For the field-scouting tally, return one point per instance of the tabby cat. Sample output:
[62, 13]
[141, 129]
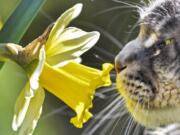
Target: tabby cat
[148, 67]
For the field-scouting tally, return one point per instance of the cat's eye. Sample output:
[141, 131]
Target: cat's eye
[160, 45]
[169, 42]
[164, 43]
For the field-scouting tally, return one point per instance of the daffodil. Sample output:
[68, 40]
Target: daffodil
[52, 63]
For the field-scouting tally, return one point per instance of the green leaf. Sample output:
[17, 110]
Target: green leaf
[20, 20]
[6, 11]
[1, 64]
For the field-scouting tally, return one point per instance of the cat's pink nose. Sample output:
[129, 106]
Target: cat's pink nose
[119, 65]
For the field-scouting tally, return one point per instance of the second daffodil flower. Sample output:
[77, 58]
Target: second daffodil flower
[52, 63]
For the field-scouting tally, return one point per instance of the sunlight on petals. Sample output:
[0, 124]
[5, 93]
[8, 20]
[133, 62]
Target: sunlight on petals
[24, 99]
[21, 106]
[67, 44]
[61, 24]
[34, 79]
[33, 113]
[71, 44]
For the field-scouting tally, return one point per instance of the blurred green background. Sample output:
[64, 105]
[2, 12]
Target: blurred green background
[113, 19]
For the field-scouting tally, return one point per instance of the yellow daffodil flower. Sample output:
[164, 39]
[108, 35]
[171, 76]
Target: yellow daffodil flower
[52, 62]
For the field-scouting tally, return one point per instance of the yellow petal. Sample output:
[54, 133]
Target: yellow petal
[75, 84]
[71, 44]
[33, 113]
[61, 24]
[89, 74]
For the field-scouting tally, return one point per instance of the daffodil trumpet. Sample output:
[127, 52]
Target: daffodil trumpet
[51, 62]
[75, 84]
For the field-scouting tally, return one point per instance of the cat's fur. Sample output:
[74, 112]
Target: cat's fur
[149, 66]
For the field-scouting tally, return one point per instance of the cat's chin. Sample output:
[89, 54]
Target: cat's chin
[152, 118]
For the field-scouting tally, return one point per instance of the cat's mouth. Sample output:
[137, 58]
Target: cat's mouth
[139, 87]
[136, 86]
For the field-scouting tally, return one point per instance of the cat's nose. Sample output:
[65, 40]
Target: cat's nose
[119, 64]
[124, 59]
[129, 54]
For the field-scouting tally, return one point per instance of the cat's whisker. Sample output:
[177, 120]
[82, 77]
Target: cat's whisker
[105, 53]
[99, 57]
[107, 90]
[104, 114]
[116, 17]
[135, 108]
[100, 95]
[54, 112]
[108, 126]
[134, 27]
[111, 9]
[133, 5]
[129, 126]
[103, 96]
[114, 126]
[100, 122]
[131, 121]
[47, 16]
[108, 35]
